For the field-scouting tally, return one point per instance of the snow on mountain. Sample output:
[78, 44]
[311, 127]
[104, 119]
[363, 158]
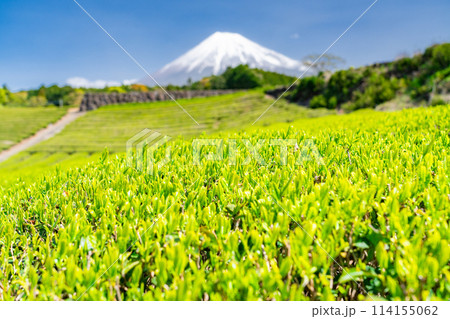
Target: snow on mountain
[219, 51]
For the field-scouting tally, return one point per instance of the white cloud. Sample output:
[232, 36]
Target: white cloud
[129, 82]
[78, 82]
[294, 36]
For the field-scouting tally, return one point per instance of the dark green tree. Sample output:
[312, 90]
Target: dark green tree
[241, 77]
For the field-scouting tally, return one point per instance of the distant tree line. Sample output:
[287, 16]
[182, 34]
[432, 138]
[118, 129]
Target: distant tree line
[420, 77]
[59, 95]
[240, 77]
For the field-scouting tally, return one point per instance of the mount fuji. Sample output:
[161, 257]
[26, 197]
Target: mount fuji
[219, 51]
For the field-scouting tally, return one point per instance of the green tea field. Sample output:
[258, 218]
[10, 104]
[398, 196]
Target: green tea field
[17, 123]
[364, 215]
[110, 127]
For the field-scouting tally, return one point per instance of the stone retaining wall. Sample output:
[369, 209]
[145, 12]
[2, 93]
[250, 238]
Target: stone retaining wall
[92, 101]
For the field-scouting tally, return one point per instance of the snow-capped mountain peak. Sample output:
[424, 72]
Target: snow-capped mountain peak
[219, 51]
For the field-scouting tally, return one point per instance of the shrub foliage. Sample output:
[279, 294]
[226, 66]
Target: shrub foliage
[370, 86]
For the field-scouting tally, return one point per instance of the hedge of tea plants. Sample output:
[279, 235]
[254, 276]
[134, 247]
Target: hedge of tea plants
[367, 219]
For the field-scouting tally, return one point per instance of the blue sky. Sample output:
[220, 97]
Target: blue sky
[49, 41]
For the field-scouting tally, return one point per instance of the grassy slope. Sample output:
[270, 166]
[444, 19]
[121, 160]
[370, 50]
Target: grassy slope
[379, 206]
[17, 123]
[110, 127]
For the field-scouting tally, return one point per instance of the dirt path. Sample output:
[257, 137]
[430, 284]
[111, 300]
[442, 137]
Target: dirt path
[44, 134]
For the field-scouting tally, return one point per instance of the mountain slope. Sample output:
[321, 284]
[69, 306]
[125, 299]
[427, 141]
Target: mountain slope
[219, 51]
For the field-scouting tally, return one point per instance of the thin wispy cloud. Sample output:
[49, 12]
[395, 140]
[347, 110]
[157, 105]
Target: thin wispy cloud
[294, 36]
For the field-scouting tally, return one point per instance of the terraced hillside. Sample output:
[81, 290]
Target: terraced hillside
[113, 125]
[110, 127]
[367, 219]
[17, 123]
